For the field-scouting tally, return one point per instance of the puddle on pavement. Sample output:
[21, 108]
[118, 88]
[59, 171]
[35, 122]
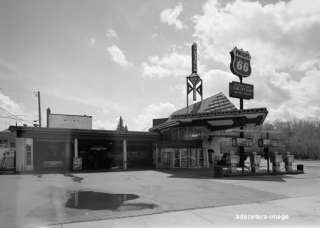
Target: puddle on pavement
[105, 201]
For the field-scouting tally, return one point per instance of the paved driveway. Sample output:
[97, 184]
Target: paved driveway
[31, 200]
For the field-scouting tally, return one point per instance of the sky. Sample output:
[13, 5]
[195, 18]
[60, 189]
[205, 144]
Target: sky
[130, 58]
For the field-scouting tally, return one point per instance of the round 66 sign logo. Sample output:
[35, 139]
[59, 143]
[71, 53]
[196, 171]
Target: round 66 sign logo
[240, 62]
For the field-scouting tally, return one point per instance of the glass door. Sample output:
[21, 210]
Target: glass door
[193, 157]
[184, 157]
[177, 158]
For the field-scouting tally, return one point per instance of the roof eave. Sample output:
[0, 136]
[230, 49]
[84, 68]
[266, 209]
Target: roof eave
[178, 119]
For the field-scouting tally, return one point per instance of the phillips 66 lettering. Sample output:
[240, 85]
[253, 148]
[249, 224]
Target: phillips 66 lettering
[240, 62]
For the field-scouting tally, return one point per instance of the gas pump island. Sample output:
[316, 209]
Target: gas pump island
[241, 67]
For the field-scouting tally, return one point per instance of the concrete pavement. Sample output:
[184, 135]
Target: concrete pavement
[301, 211]
[160, 198]
[301, 208]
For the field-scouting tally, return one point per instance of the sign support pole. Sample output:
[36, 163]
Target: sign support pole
[39, 108]
[187, 95]
[267, 152]
[241, 152]
[240, 66]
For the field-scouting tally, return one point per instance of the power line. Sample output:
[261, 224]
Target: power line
[11, 114]
[19, 120]
[15, 117]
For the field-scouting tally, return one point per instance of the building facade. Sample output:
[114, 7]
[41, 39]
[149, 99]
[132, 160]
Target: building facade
[7, 150]
[193, 137]
[59, 149]
[68, 121]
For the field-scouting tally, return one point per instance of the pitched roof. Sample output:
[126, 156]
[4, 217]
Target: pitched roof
[216, 107]
[216, 103]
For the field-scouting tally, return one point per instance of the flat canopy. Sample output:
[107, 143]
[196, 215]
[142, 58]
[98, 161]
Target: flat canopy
[62, 133]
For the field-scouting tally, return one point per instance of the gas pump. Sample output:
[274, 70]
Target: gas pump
[276, 160]
[234, 162]
[254, 162]
[231, 161]
[288, 161]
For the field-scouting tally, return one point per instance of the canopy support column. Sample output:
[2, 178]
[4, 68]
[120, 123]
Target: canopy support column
[124, 143]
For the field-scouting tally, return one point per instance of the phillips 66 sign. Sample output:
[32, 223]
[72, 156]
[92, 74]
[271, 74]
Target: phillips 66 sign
[240, 62]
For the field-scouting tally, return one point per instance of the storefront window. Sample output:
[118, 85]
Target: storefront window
[193, 157]
[183, 133]
[200, 152]
[182, 158]
[165, 158]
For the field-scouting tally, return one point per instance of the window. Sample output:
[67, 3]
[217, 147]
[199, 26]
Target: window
[28, 154]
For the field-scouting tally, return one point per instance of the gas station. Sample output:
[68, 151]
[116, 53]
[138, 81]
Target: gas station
[210, 133]
[214, 133]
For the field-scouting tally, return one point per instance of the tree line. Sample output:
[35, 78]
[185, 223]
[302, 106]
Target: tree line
[300, 137]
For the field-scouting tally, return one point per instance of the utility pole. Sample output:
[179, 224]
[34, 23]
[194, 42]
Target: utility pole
[39, 107]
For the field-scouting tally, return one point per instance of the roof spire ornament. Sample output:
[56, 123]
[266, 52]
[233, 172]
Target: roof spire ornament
[120, 126]
[194, 82]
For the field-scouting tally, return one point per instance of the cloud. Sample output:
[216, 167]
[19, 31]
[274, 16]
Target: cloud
[170, 16]
[7, 103]
[305, 99]
[283, 41]
[152, 111]
[111, 33]
[105, 124]
[105, 112]
[7, 68]
[92, 41]
[107, 106]
[171, 64]
[277, 35]
[9, 108]
[118, 56]
[215, 81]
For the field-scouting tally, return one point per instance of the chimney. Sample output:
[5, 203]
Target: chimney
[194, 58]
[48, 113]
